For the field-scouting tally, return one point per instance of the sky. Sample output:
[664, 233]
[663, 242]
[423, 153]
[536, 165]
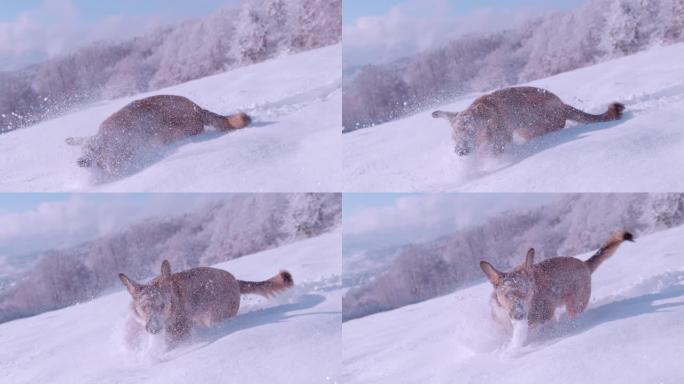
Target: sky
[380, 31]
[35, 30]
[376, 221]
[354, 9]
[33, 222]
[94, 10]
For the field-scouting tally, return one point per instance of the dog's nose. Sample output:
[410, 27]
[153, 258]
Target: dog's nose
[518, 315]
[462, 151]
[518, 312]
[153, 326]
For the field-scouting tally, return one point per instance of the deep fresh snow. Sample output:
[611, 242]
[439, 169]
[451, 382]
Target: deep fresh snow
[294, 144]
[642, 152]
[293, 338]
[630, 333]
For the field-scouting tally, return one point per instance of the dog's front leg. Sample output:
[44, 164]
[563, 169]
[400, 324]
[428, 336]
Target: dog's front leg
[133, 334]
[176, 333]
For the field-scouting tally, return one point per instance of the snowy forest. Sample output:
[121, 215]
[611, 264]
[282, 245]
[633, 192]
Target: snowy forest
[575, 224]
[239, 225]
[598, 30]
[234, 36]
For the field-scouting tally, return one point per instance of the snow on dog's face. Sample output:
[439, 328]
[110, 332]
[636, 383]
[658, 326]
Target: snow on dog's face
[107, 155]
[513, 290]
[464, 128]
[152, 303]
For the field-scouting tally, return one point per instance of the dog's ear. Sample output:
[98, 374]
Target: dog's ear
[132, 286]
[529, 259]
[166, 269]
[493, 275]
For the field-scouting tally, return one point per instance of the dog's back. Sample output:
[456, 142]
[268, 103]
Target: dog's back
[495, 119]
[559, 281]
[534, 291]
[149, 123]
[566, 281]
[208, 295]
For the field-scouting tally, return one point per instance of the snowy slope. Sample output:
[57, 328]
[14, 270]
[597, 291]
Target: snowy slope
[293, 146]
[630, 333]
[642, 152]
[293, 338]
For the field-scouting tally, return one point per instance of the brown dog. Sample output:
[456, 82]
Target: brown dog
[494, 120]
[175, 302]
[147, 124]
[534, 291]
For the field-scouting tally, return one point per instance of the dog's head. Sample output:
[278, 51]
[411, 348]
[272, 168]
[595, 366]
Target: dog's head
[513, 290]
[153, 304]
[108, 159]
[464, 128]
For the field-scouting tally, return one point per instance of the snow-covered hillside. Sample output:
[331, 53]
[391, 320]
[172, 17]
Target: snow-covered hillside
[292, 338]
[642, 152]
[293, 145]
[631, 331]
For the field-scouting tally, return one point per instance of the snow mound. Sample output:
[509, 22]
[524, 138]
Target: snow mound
[294, 337]
[642, 152]
[293, 145]
[631, 331]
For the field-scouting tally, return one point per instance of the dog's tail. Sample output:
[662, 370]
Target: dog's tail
[225, 123]
[608, 249]
[614, 112]
[267, 288]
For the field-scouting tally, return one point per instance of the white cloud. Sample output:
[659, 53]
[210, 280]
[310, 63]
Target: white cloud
[416, 25]
[84, 217]
[57, 27]
[425, 217]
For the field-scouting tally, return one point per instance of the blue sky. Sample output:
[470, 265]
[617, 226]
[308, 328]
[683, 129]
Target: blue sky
[19, 202]
[353, 9]
[96, 10]
[32, 31]
[373, 221]
[35, 221]
[353, 203]
[380, 31]
[22, 202]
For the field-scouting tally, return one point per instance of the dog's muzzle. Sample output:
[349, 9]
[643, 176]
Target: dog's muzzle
[463, 148]
[153, 326]
[518, 312]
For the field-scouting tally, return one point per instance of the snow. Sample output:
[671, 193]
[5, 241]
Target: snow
[293, 146]
[642, 152]
[631, 331]
[292, 338]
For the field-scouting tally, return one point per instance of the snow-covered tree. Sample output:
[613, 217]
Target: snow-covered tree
[246, 33]
[238, 225]
[572, 225]
[558, 42]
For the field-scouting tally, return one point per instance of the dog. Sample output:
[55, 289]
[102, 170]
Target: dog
[533, 292]
[147, 124]
[518, 113]
[176, 302]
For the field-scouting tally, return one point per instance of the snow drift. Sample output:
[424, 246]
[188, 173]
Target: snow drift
[294, 337]
[631, 331]
[642, 152]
